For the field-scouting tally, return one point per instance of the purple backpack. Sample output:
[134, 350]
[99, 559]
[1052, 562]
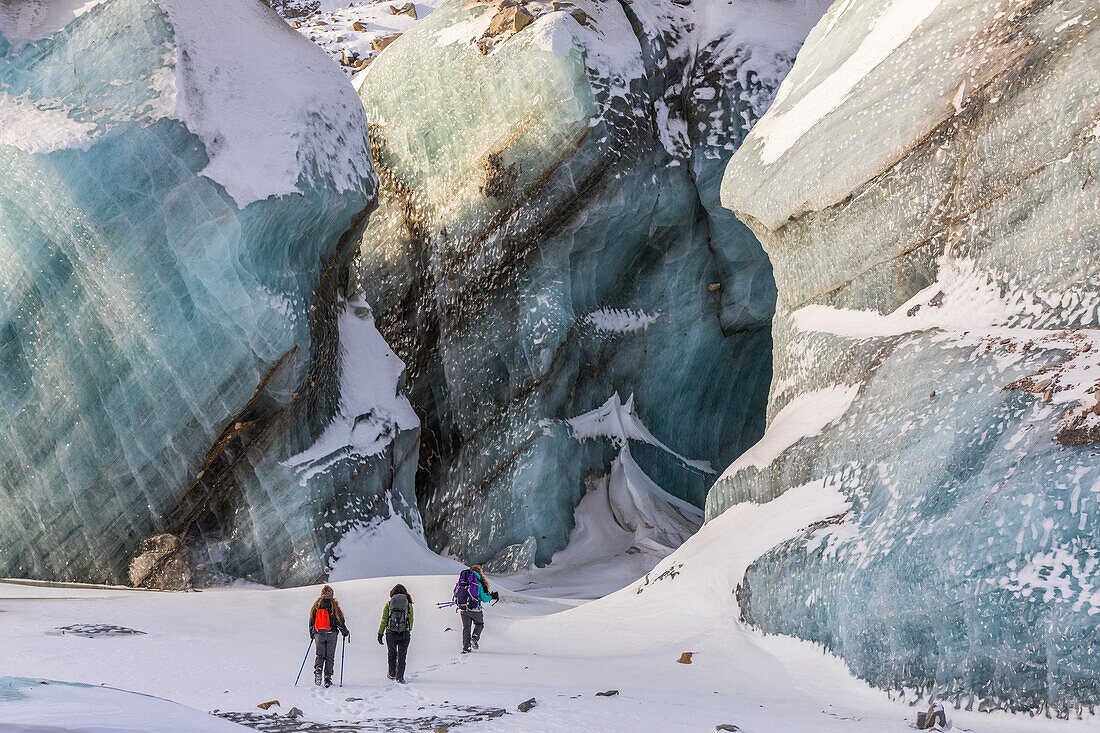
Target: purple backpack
[467, 593]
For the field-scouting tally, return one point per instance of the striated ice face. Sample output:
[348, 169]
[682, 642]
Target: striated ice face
[549, 234]
[925, 188]
[172, 332]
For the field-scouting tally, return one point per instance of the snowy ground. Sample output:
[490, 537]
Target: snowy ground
[229, 650]
[354, 33]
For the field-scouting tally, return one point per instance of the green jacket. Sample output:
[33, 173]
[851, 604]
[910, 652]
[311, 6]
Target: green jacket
[386, 619]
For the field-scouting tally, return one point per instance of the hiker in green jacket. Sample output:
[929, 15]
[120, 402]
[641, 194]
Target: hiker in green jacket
[397, 623]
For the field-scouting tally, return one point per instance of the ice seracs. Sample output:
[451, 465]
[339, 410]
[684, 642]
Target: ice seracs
[549, 233]
[924, 188]
[175, 239]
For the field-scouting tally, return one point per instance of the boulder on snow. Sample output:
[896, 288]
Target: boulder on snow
[407, 9]
[294, 713]
[607, 693]
[164, 564]
[268, 704]
[685, 658]
[379, 44]
[526, 705]
[510, 20]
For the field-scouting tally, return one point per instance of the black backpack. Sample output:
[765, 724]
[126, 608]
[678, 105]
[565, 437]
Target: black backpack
[399, 614]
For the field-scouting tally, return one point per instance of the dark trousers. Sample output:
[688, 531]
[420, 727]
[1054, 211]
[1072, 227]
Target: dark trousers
[397, 646]
[326, 651]
[475, 619]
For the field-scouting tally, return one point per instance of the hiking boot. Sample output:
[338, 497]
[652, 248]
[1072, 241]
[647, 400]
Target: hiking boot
[328, 682]
[473, 645]
[400, 680]
[390, 676]
[465, 651]
[317, 678]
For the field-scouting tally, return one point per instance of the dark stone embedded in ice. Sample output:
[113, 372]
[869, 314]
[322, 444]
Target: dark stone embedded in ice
[164, 564]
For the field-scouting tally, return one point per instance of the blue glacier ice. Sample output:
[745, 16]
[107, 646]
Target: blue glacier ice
[925, 188]
[177, 351]
[549, 234]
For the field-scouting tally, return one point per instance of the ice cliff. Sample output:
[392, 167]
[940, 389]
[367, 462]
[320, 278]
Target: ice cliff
[925, 186]
[549, 236]
[176, 351]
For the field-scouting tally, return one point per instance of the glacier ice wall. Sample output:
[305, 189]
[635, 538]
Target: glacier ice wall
[924, 185]
[173, 264]
[549, 234]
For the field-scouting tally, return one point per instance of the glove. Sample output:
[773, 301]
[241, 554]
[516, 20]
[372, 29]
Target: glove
[494, 595]
[347, 636]
[379, 638]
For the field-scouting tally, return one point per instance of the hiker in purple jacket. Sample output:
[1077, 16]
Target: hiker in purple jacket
[470, 592]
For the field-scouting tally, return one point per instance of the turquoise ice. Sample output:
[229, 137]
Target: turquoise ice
[549, 235]
[173, 268]
[925, 188]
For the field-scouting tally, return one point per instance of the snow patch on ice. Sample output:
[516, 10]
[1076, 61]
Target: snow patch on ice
[263, 131]
[373, 406]
[621, 320]
[806, 416]
[897, 22]
[618, 421]
[27, 21]
[33, 129]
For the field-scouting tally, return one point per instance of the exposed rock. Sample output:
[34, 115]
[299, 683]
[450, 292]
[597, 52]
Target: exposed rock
[267, 705]
[726, 727]
[510, 20]
[499, 181]
[294, 713]
[164, 564]
[407, 9]
[607, 693]
[685, 658]
[527, 705]
[357, 26]
[380, 43]
[94, 630]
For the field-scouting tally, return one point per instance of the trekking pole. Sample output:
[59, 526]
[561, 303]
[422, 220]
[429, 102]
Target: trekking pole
[303, 662]
[445, 604]
[343, 646]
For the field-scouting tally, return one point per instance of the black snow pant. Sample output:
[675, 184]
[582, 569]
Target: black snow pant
[476, 619]
[326, 651]
[397, 646]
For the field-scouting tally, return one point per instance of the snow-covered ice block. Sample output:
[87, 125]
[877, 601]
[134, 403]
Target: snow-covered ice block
[925, 187]
[173, 338]
[549, 233]
[49, 706]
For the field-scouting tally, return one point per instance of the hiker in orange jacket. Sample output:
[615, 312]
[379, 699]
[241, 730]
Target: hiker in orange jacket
[325, 620]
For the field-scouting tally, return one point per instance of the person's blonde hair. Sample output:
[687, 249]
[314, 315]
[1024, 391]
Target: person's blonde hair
[481, 574]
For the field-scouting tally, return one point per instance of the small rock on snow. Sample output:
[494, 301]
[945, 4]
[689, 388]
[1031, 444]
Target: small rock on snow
[527, 705]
